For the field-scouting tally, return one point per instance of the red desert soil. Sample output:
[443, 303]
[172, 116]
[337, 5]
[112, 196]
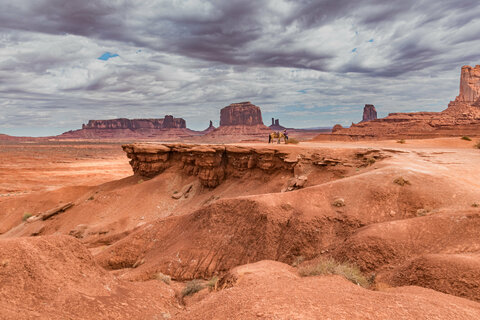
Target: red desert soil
[406, 214]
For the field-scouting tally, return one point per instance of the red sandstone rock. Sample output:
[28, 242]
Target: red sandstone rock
[167, 123]
[369, 113]
[243, 113]
[462, 117]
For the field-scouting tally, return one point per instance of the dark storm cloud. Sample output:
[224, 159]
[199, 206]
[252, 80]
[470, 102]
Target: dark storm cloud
[193, 57]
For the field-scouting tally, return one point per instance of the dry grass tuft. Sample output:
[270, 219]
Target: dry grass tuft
[163, 277]
[330, 266]
[466, 138]
[477, 145]
[401, 141]
[26, 216]
[292, 141]
[192, 287]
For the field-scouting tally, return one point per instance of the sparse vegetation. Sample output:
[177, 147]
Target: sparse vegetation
[330, 266]
[370, 161]
[401, 141]
[26, 216]
[91, 198]
[292, 141]
[401, 181]
[192, 287]
[140, 181]
[297, 261]
[475, 205]
[477, 145]
[466, 138]
[212, 283]
[163, 277]
[422, 212]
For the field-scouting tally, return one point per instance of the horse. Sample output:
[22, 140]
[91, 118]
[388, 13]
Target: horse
[277, 135]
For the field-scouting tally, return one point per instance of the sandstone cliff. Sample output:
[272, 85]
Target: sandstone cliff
[243, 113]
[369, 113]
[462, 117]
[169, 122]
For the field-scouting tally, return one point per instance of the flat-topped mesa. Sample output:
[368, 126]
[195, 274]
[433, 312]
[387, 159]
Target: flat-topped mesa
[169, 122]
[469, 85]
[241, 114]
[369, 113]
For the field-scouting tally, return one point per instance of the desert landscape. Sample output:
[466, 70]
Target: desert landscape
[322, 228]
[195, 160]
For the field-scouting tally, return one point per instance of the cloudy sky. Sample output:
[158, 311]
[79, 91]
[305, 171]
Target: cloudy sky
[309, 63]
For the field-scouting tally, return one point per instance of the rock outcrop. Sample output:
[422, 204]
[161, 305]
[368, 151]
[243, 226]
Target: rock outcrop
[243, 114]
[169, 122]
[462, 117]
[369, 113]
[210, 128]
[276, 125]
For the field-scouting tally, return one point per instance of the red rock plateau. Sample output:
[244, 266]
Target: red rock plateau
[244, 220]
[240, 121]
[169, 128]
[462, 117]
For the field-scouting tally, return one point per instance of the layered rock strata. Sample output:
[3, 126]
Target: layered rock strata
[212, 164]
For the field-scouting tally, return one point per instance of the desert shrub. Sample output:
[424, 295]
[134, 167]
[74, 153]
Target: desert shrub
[370, 161]
[466, 138]
[475, 205]
[212, 283]
[330, 266]
[26, 216]
[192, 287]
[163, 277]
[401, 181]
[292, 141]
[477, 145]
[401, 141]
[140, 181]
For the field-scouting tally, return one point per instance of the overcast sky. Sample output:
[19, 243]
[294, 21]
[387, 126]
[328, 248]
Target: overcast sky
[308, 63]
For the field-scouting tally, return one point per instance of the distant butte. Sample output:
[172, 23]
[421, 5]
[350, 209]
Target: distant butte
[369, 113]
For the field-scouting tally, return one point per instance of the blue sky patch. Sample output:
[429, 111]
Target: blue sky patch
[302, 91]
[354, 50]
[371, 40]
[107, 55]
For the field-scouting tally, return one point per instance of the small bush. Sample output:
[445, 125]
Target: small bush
[140, 181]
[192, 287]
[475, 205]
[26, 216]
[466, 138]
[163, 277]
[330, 266]
[401, 181]
[298, 260]
[370, 161]
[477, 145]
[401, 141]
[212, 283]
[292, 141]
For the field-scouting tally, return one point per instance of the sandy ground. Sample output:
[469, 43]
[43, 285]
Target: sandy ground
[29, 167]
[422, 234]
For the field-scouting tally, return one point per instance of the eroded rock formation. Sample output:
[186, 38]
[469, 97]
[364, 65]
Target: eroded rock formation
[169, 122]
[243, 113]
[369, 113]
[462, 117]
[213, 163]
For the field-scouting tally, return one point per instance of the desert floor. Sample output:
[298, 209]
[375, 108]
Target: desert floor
[409, 218]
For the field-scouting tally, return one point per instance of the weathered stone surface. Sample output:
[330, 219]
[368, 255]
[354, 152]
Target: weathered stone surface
[243, 113]
[369, 113]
